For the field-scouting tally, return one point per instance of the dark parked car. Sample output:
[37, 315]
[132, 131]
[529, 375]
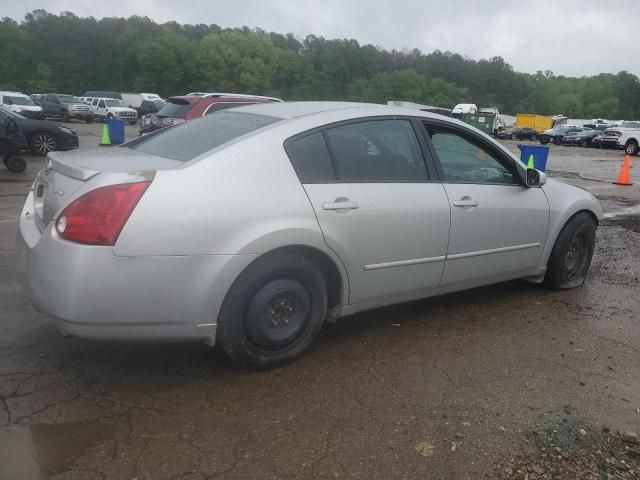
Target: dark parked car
[195, 105]
[65, 107]
[518, 133]
[12, 142]
[582, 139]
[42, 137]
[556, 135]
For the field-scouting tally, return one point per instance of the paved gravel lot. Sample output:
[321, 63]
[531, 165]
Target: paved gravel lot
[470, 385]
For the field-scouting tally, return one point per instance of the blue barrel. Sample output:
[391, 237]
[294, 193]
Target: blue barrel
[116, 131]
[539, 152]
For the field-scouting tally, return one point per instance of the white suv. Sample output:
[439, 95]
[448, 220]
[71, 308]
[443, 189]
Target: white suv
[105, 108]
[626, 135]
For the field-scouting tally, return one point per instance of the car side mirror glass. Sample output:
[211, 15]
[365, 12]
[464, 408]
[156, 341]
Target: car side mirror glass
[535, 178]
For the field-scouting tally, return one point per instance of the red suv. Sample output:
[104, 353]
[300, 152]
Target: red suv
[196, 104]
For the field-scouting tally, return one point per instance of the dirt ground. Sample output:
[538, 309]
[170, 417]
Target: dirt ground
[509, 381]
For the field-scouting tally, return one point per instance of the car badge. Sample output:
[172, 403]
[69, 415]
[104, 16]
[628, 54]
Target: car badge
[59, 192]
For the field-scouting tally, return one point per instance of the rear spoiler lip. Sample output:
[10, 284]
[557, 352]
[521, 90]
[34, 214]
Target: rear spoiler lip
[57, 161]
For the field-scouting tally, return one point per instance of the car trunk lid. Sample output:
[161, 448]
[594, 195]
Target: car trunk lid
[66, 172]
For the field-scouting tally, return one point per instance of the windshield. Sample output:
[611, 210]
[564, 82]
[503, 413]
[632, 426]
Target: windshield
[189, 140]
[174, 110]
[630, 124]
[19, 101]
[113, 103]
[69, 99]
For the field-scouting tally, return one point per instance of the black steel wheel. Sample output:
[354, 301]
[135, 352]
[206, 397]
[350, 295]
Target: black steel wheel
[42, 143]
[572, 253]
[273, 311]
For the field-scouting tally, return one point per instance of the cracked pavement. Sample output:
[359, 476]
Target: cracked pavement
[442, 388]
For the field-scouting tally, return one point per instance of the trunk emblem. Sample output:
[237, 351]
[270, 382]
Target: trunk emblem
[59, 192]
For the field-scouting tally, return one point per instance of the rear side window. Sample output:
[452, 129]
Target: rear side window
[175, 110]
[187, 141]
[310, 158]
[377, 151]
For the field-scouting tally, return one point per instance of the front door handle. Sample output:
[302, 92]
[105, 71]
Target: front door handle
[465, 202]
[340, 205]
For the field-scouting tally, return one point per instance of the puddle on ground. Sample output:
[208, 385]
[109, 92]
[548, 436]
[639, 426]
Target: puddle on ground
[632, 210]
[46, 449]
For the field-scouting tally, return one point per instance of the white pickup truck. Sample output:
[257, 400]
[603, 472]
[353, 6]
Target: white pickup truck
[105, 108]
[626, 135]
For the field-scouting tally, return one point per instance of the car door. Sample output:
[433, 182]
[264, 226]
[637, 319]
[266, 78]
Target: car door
[376, 204]
[498, 225]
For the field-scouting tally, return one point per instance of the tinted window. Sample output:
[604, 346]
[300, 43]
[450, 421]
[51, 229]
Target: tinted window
[174, 110]
[310, 158]
[101, 104]
[223, 106]
[377, 151]
[188, 140]
[51, 98]
[464, 160]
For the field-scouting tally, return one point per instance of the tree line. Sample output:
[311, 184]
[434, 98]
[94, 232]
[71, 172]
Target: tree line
[70, 54]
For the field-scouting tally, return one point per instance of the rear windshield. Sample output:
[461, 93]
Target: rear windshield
[18, 101]
[187, 141]
[174, 110]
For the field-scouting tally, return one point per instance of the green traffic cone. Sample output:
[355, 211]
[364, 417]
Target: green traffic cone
[530, 162]
[106, 141]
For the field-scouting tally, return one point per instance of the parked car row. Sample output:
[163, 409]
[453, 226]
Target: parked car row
[625, 135]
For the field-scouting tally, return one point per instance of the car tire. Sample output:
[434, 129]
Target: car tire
[584, 143]
[14, 164]
[631, 148]
[513, 136]
[65, 117]
[544, 140]
[557, 140]
[572, 253]
[42, 143]
[273, 311]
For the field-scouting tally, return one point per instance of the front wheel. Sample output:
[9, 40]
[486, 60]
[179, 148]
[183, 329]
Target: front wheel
[514, 136]
[273, 311]
[42, 143]
[631, 148]
[544, 140]
[557, 140]
[133, 123]
[571, 255]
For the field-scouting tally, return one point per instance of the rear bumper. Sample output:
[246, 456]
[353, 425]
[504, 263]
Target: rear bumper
[90, 292]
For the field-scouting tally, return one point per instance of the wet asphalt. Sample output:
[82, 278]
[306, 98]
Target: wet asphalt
[449, 387]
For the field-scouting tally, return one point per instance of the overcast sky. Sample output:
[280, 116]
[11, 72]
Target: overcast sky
[570, 37]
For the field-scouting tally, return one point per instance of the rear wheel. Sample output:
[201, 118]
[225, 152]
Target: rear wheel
[631, 148]
[544, 140]
[584, 143]
[273, 311]
[514, 136]
[557, 140]
[42, 143]
[571, 255]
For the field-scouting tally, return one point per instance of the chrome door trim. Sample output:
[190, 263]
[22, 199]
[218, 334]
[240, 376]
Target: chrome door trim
[492, 250]
[402, 263]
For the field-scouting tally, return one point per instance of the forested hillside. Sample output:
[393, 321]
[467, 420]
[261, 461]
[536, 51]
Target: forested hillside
[70, 54]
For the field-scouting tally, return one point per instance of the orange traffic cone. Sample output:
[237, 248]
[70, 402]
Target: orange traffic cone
[624, 177]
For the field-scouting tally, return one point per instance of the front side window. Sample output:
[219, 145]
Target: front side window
[114, 103]
[377, 151]
[464, 160]
[101, 104]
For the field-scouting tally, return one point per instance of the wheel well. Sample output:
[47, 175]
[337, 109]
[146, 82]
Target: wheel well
[589, 212]
[632, 140]
[327, 266]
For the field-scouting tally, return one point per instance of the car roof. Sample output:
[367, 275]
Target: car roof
[15, 94]
[289, 110]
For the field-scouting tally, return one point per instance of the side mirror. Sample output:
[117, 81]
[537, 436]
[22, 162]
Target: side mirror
[535, 178]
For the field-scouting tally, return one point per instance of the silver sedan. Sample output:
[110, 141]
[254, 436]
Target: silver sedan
[253, 226]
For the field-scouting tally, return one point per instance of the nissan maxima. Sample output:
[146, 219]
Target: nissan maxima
[251, 227]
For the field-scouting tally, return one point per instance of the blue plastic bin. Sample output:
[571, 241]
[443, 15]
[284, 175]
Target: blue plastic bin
[116, 131]
[539, 152]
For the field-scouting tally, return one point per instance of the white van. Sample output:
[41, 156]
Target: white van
[20, 103]
[105, 108]
[143, 103]
[463, 108]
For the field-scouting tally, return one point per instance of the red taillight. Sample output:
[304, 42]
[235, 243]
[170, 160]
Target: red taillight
[97, 217]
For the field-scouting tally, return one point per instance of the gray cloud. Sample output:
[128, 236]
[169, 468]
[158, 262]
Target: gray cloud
[571, 37]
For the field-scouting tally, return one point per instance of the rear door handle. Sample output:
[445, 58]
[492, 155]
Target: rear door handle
[340, 206]
[467, 202]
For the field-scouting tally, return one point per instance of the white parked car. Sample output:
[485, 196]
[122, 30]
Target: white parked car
[20, 103]
[106, 108]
